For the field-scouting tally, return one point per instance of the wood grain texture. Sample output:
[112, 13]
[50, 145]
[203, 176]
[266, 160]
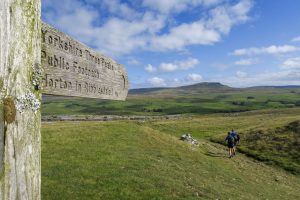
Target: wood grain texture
[73, 69]
[1, 136]
[20, 50]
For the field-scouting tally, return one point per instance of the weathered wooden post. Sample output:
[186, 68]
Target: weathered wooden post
[20, 119]
[35, 57]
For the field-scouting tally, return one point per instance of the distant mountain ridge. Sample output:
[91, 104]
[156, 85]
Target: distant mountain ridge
[278, 87]
[205, 86]
[195, 87]
[210, 85]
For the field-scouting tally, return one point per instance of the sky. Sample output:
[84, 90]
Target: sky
[170, 43]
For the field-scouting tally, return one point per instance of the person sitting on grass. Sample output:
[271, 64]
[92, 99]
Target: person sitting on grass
[236, 138]
[230, 144]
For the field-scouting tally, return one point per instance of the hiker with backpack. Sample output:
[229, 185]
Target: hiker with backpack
[230, 144]
[236, 138]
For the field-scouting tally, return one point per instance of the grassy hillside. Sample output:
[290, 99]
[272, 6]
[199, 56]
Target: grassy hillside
[271, 136]
[201, 98]
[145, 160]
[280, 145]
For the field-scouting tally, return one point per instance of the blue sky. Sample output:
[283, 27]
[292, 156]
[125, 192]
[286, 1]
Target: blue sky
[171, 43]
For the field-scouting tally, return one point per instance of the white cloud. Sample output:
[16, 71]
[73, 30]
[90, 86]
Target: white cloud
[291, 63]
[149, 68]
[115, 36]
[115, 39]
[175, 6]
[224, 17]
[284, 77]
[172, 67]
[179, 65]
[184, 35]
[175, 82]
[74, 16]
[208, 31]
[296, 39]
[245, 62]
[133, 61]
[119, 8]
[266, 50]
[241, 74]
[188, 64]
[156, 81]
[122, 37]
[129, 29]
[187, 80]
[168, 67]
[192, 78]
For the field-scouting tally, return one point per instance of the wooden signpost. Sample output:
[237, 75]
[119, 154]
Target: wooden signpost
[73, 69]
[36, 58]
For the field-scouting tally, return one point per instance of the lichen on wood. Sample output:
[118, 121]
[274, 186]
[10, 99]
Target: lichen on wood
[9, 110]
[37, 76]
[28, 102]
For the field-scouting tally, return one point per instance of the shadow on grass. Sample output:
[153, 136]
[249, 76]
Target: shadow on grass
[215, 155]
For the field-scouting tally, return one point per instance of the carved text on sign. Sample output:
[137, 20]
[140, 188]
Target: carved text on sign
[73, 69]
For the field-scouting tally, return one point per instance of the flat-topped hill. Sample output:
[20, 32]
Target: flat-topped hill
[199, 87]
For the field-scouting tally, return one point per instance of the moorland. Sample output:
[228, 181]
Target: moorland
[202, 98]
[144, 159]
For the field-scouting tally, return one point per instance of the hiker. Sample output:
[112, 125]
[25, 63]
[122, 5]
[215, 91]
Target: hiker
[236, 138]
[230, 144]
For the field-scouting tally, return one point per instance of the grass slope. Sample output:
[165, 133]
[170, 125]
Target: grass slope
[201, 98]
[271, 136]
[136, 160]
[280, 146]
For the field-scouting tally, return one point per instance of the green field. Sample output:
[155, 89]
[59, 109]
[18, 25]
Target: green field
[145, 159]
[203, 98]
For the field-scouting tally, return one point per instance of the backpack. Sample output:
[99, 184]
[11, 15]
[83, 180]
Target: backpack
[230, 139]
[235, 136]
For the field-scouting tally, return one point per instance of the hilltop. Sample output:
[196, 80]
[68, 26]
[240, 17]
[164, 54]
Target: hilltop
[199, 87]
